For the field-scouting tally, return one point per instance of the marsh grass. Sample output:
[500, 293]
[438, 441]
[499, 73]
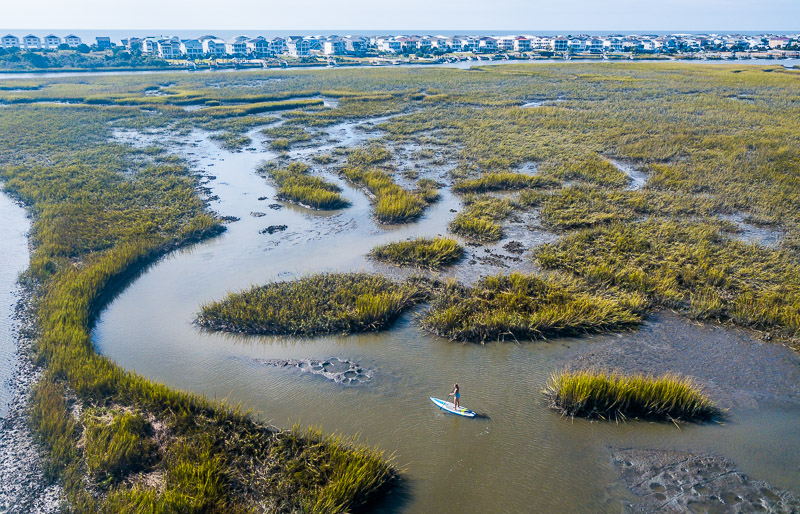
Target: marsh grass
[616, 397]
[391, 203]
[519, 306]
[314, 305]
[479, 221]
[435, 253]
[502, 181]
[587, 167]
[691, 266]
[296, 185]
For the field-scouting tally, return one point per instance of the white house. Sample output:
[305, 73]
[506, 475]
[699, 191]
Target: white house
[595, 45]
[237, 46]
[522, 44]
[192, 48]
[31, 42]
[277, 46]
[72, 40]
[505, 43]
[356, 44]
[334, 46]
[559, 44]
[258, 46]
[487, 44]
[389, 45]
[149, 45]
[51, 41]
[10, 41]
[212, 45]
[169, 48]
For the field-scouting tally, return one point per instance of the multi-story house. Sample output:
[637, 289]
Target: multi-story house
[298, 46]
[192, 48]
[258, 46]
[237, 46]
[522, 44]
[72, 40]
[103, 43]
[212, 45]
[51, 42]
[10, 41]
[31, 42]
[169, 48]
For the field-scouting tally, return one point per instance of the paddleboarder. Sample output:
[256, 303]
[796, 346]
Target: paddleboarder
[456, 394]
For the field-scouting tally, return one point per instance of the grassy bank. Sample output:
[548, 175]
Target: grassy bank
[117, 441]
[314, 305]
[616, 397]
[517, 306]
[296, 185]
[433, 253]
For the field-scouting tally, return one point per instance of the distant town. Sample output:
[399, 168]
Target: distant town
[55, 51]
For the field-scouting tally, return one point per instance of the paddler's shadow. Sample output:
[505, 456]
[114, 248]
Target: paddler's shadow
[478, 415]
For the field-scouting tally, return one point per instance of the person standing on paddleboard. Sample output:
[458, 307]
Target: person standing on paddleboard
[456, 394]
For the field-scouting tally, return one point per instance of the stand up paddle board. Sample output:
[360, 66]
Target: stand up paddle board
[451, 408]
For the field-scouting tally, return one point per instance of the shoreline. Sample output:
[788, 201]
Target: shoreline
[23, 485]
[762, 61]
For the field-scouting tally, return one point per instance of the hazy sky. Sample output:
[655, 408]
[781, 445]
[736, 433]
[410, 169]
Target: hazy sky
[672, 15]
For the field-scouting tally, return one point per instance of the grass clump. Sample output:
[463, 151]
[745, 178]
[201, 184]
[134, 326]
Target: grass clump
[224, 111]
[613, 396]
[502, 181]
[479, 220]
[231, 140]
[520, 306]
[297, 186]
[318, 304]
[590, 168]
[428, 253]
[117, 447]
[391, 203]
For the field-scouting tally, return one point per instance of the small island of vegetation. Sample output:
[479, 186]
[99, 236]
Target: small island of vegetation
[616, 397]
[434, 253]
[519, 306]
[325, 303]
[296, 185]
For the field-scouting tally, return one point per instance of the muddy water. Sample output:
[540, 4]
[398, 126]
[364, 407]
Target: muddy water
[14, 227]
[518, 457]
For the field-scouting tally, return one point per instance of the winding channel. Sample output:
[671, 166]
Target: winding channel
[519, 455]
[14, 226]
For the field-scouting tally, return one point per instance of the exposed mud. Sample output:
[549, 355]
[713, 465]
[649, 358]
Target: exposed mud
[340, 371]
[23, 487]
[671, 481]
[734, 367]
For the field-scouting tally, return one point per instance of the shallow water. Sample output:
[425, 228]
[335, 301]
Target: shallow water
[519, 454]
[14, 227]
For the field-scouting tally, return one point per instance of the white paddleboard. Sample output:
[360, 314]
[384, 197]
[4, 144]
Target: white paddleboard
[451, 408]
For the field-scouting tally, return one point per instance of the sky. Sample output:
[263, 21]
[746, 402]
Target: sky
[529, 15]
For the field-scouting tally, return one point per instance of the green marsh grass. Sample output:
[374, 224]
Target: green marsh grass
[318, 304]
[479, 220]
[435, 253]
[519, 306]
[296, 185]
[502, 181]
[616, 397]
[391, 203]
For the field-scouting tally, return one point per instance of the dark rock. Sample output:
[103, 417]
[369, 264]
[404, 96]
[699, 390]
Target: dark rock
[272, 229]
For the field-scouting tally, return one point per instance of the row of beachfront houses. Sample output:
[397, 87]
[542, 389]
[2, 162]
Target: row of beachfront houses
[300, 46]
[49, 42]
